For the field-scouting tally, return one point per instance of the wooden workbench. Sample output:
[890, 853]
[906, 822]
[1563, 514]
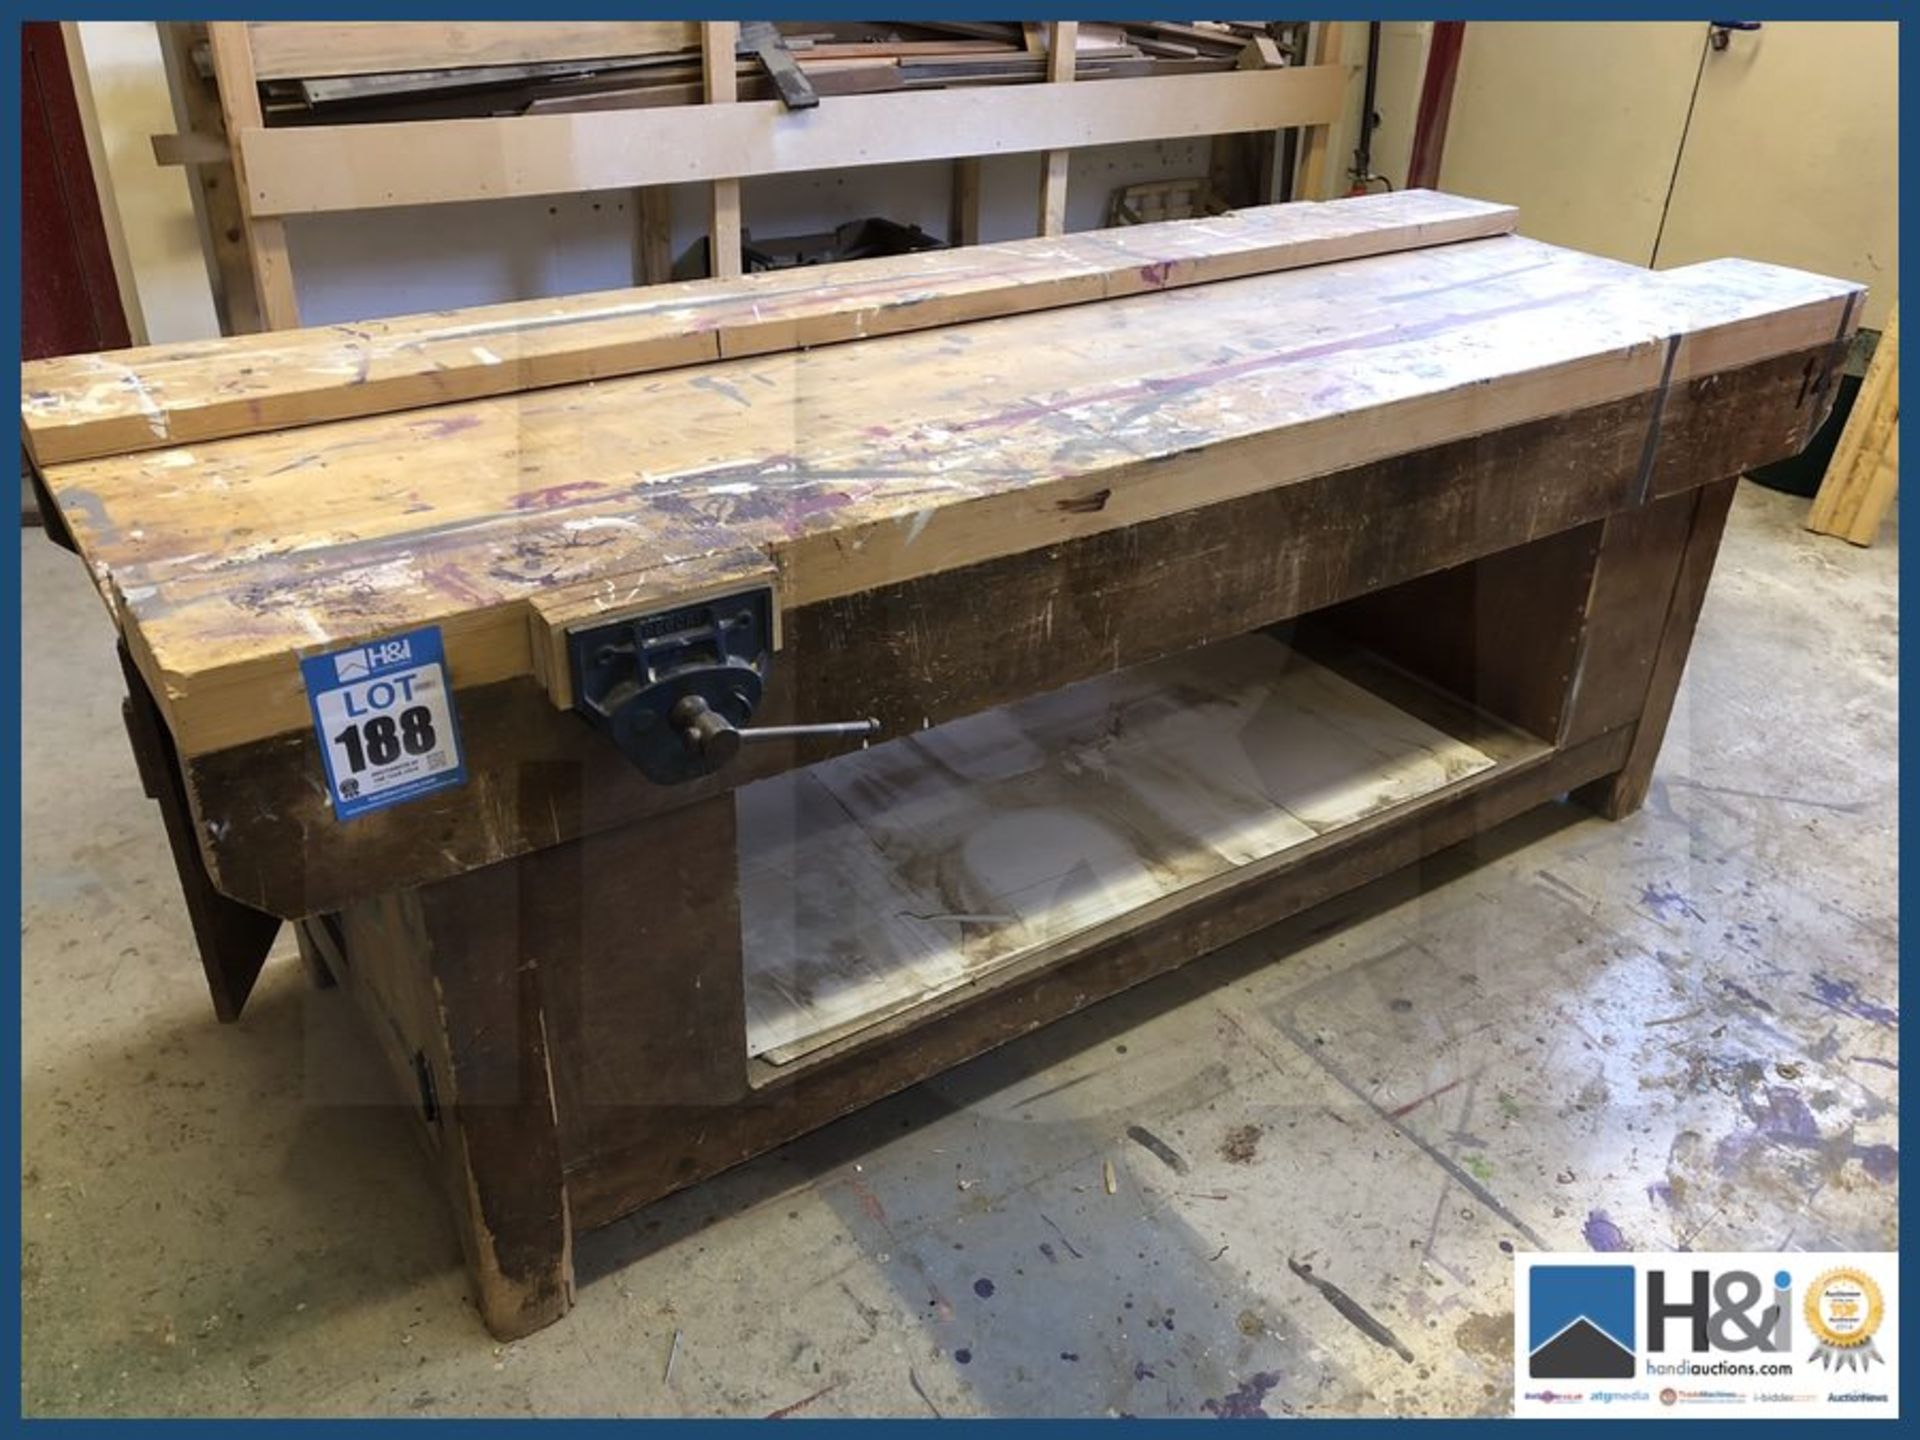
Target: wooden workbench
[1194, 573]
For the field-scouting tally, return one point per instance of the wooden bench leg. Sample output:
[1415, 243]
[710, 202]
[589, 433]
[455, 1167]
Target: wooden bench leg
[313, 954]
[233, 939]
[1624, 792]
[456, 1001]
[503, 1163]
[598, 982]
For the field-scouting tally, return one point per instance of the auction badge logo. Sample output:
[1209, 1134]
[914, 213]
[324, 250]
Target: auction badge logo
[1843, 1310]
[1766, 1334]
[1580, 1322]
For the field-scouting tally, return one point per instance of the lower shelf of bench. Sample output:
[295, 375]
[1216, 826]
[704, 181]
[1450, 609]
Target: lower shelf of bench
[569, 1093]
[878, 882]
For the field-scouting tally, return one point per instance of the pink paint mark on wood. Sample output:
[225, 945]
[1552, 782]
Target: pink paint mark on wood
[803, 508]
[552, 495]
[450, 581]
[443, 427]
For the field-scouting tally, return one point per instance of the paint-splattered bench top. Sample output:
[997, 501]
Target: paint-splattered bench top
[855, 465]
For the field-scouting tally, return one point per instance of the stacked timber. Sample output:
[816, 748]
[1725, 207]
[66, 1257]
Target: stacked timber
[328, 73]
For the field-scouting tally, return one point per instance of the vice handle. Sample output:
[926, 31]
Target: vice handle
[712, 736]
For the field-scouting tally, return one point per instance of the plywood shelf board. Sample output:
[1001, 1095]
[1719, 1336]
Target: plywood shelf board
[883, 879]
[312, 169]
[231, 558]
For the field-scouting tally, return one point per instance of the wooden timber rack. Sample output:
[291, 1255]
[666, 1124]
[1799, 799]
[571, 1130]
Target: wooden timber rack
[261, 162]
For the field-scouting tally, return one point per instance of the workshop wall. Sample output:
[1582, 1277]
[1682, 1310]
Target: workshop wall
[1403, 66]
[1791, 155]
[1794, 155]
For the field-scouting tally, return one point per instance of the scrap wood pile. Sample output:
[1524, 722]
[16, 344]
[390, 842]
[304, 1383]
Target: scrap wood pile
[834, 57]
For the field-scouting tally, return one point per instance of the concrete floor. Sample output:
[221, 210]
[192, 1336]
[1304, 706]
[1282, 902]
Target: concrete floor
[1678, 1030]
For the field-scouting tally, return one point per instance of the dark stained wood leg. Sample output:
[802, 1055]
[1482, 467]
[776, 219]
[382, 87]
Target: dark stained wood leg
[1624, 614]
[533, 1006]
[233, 939]
[1620, 794]
[455, 996]
[509, 1197]
[640, 930]
[313, 956]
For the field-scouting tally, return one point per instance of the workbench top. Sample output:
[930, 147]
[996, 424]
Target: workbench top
[856, 465]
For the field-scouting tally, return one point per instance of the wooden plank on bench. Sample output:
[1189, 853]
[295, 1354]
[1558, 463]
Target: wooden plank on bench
[85, 406]
[310, 169]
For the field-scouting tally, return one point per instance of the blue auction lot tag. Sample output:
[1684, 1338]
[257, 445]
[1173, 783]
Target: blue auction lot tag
[384, 715]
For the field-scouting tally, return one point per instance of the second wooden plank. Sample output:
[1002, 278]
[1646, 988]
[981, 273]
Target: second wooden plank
[308, 169]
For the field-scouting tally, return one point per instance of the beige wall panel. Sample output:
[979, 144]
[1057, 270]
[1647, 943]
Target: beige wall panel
[1794, 156]
[1577, 123]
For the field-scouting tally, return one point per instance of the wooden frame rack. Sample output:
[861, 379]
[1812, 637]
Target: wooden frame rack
[280, 172]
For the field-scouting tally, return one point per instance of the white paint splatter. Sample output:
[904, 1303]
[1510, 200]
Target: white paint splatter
[156, 417]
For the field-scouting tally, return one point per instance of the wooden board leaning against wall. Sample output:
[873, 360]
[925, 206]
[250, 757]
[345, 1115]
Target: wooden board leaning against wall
[1858, 488]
